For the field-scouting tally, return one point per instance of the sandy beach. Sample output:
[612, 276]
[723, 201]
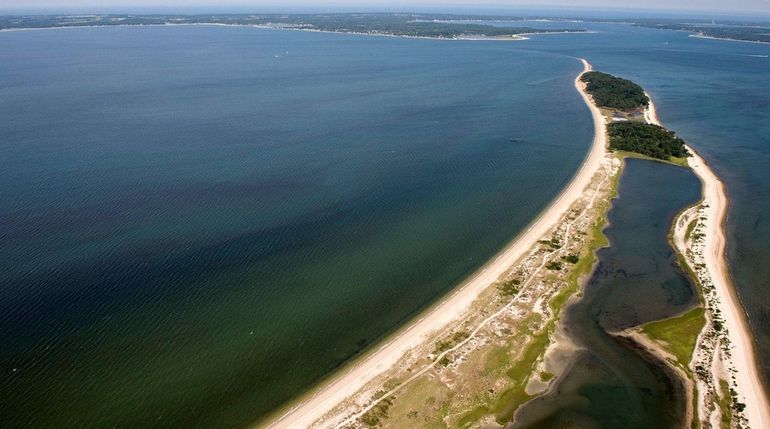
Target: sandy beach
[351, 379]
[750, 389]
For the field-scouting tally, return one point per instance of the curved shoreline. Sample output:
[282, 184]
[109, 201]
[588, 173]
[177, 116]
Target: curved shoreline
[715, 202]
[503, 38]
[314, 405]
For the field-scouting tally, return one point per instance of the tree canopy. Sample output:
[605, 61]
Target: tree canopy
[614, 92]
[647, 139]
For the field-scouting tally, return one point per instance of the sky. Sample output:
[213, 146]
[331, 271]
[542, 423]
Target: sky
[732, 6]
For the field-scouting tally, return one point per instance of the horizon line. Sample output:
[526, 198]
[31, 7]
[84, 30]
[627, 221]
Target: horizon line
[503, 10]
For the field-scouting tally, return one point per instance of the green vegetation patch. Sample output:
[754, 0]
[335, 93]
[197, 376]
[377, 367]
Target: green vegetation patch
[648, 139]
[450, 342]
[509, 288]
[515, 396]
[614, 92]
[725, 402]
[552, 243]
[679, 333]
[520, 364]
[379, 412]
[680, 161]
[690, 228]
[519, 373]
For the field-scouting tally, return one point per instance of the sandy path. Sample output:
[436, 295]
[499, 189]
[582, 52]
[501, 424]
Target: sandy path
[319, 402]
[748, 378]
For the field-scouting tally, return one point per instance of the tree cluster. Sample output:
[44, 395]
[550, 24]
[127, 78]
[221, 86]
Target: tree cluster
[614, 92]
[647, 139]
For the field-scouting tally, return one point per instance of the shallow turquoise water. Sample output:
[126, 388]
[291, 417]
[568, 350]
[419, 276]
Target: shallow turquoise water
[200, 223]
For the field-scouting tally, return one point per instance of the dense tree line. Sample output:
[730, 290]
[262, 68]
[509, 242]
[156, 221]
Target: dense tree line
[614, 92]
[399, 24]
[752, 32]
[647, 139]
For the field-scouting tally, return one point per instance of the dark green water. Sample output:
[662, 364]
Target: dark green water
[200, 223]
[609, 385]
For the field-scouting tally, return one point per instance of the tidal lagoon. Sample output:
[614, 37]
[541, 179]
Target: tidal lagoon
[637, 280]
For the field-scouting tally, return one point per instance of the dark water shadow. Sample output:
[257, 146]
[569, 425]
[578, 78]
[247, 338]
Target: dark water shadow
[610, 383]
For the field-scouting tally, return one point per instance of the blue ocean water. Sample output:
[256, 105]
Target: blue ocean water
[199, 223]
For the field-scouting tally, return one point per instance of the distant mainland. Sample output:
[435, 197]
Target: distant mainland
[434, 26]
[423, 25]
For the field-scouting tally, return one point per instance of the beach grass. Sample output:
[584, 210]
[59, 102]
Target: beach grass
[678, 334]
[524, 367]
[690, 229]
[681, 162]
[725, 402]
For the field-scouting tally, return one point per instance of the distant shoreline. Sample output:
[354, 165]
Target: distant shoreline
[701, 36]
[469, 37]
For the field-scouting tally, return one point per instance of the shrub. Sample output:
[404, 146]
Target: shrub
[509, 287]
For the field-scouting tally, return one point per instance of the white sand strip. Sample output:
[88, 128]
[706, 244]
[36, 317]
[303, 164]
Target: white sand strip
[316, 404]
[750, 389]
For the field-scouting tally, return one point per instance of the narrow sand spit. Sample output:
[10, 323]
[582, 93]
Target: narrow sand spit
[750, 389]
[319, 402]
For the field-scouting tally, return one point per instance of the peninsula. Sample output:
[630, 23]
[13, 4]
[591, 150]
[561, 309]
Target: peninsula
[384, 220]
[524, 286]
[476, 357]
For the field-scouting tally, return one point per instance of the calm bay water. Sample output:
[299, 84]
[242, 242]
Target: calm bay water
[199, 223]
[636, 281]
